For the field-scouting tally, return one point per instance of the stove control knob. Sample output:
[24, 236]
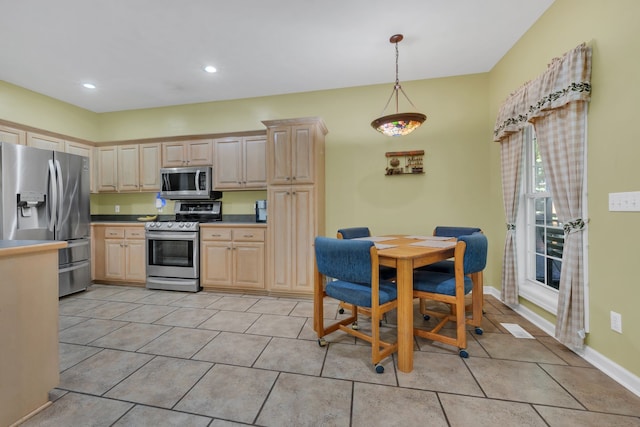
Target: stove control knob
[181, 225]
[169, 225]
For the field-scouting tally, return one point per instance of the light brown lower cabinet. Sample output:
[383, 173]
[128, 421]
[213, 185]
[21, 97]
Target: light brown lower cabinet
[232, 258]
[119, 253]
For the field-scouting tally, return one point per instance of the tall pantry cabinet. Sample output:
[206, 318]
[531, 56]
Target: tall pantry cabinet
[295, 195]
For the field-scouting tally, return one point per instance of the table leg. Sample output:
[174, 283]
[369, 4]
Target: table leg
[404, 280]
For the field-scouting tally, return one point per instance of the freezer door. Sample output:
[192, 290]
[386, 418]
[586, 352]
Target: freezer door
[25, 203]
[73, 215]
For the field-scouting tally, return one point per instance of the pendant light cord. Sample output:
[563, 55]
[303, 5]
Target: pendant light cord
[397, 88]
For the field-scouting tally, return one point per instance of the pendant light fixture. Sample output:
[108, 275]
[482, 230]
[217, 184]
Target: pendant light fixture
[398, 124]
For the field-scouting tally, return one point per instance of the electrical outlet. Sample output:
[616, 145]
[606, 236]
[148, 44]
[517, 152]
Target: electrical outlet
[616, 321]
[117, 208]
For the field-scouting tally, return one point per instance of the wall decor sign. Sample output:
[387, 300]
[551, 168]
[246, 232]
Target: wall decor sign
[404, 162]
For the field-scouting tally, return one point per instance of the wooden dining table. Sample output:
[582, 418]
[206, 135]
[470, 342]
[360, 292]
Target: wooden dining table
[406, 253]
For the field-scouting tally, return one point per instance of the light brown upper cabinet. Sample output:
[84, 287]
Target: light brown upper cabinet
[187, 153]
[240, 163]
[12, 135]
[129, 168]
[45, 142]
[292, 154]
[86, 151]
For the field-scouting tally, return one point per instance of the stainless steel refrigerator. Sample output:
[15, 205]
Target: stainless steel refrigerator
[44, 195]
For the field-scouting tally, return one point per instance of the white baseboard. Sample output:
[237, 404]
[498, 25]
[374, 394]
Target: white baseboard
[618, 373]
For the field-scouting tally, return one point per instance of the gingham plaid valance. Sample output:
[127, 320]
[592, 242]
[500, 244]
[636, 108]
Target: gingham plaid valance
[566, 79]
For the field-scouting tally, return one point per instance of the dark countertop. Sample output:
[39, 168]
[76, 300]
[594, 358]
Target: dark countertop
[229, 219]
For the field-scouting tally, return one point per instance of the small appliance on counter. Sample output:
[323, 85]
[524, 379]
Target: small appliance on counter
[261, 211]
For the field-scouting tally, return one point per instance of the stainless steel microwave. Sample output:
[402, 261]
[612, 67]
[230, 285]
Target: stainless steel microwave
[195, 182]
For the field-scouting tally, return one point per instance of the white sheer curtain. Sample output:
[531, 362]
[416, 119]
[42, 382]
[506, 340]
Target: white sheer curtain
[556, 104]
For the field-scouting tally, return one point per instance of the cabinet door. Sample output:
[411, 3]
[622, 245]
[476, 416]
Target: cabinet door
[44, 141]
[227, 164]
[248, 265]
[216, 263]
[107, 168]
[135, 265]
[303, 224]
[86, 151]
[150, 158]
[279, 156]
[255, 162]
[280, 231]
[173, 154]
[13, 136]
[199, 153]
[128, 168]
[302, 154]
[114, 268]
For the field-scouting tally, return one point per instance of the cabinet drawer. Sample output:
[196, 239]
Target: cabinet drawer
[215, 234]
[114, 233]
[248, 235]
[134, 233]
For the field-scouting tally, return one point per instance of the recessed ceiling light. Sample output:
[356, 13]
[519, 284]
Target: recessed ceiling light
[89, 85]
[210, 69]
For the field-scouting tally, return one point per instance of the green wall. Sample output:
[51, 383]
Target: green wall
[612, 30]
[462, 164]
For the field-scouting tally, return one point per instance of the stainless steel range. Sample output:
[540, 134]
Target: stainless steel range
[173, 255]
[173, 247]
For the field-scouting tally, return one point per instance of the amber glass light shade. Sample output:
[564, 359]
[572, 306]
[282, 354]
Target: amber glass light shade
[398, 124]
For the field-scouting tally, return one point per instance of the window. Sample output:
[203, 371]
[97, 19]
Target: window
[540, 233]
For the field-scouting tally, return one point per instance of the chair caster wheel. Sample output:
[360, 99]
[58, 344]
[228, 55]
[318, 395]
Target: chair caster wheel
[341, 311]
[379, 369]
[322, 342]
[426, 317]
[355, 326]
[464, 354]
[479, 331]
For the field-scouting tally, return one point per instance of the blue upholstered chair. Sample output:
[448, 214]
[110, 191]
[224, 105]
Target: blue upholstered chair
[448, 267]
[353, 232]
[450, 288]
[347, 270]
[386, 273]
[446, 231]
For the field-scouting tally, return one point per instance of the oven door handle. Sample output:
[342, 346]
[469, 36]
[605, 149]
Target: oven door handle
[169, 235]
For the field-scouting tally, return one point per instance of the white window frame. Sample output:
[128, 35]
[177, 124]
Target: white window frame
[539, 294]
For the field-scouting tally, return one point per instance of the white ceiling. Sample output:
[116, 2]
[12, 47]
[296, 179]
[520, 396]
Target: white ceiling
[150, 53]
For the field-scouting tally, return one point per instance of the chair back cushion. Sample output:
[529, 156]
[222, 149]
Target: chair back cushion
[346, 260]
[354, 232]
[446, 231]
[475, 254]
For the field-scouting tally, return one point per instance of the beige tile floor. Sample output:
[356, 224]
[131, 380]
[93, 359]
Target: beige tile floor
[136, 357]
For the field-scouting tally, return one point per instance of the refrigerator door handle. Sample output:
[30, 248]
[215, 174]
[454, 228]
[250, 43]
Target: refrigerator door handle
[60, 194]
[53, 200]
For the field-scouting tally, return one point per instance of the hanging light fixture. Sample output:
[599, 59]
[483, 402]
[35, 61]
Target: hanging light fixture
[398, 124]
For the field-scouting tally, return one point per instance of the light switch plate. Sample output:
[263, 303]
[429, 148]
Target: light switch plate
[625, 202]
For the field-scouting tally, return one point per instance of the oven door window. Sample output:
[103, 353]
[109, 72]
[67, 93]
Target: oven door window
[171, 253]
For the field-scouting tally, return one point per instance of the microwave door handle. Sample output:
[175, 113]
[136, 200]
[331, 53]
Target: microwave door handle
[53, 199]
[60, 194]
[165, 179]
[198, 180]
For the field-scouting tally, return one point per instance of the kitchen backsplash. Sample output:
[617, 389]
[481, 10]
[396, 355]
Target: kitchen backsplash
[233, 202]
